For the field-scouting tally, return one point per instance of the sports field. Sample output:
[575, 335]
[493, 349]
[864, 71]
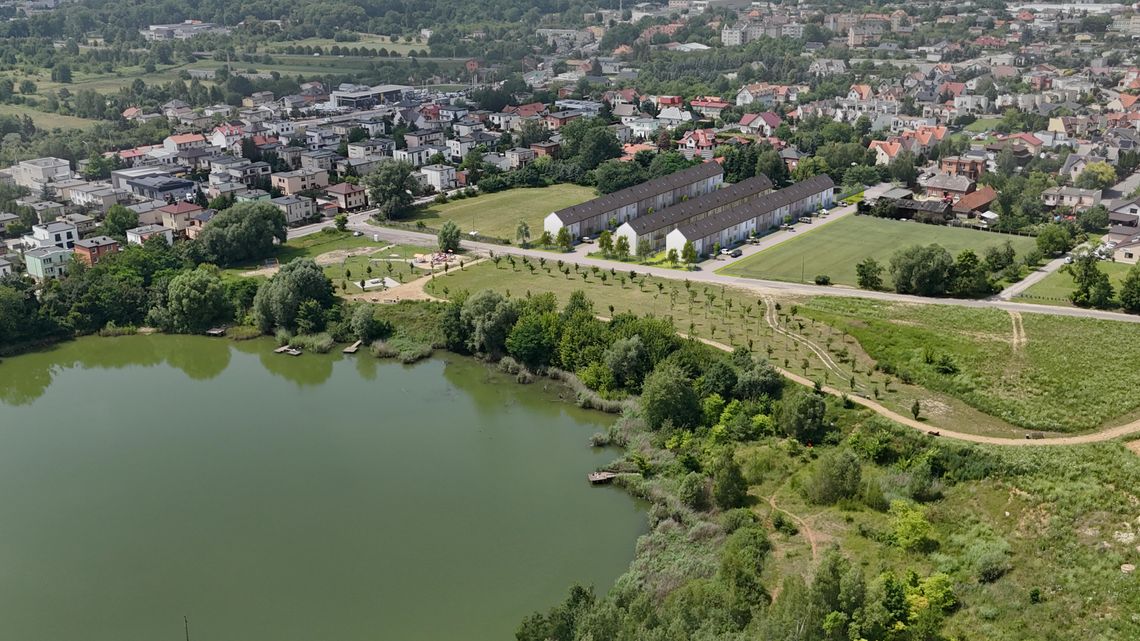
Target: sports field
[835, 248]
[497, 215]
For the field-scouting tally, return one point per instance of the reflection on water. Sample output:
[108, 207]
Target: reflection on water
[341, 497]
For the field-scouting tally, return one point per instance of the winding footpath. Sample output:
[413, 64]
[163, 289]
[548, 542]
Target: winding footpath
[359, 222]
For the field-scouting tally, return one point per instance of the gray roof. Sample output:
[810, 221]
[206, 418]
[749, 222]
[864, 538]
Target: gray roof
[631, 195]
[97, 241]
[765, 204]
[730, 196]
[946, 181]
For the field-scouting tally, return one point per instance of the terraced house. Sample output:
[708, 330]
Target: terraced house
[653, 229]
[593, 216]
[733, 225]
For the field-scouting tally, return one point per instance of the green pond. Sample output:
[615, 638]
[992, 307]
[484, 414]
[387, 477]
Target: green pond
[312, 498]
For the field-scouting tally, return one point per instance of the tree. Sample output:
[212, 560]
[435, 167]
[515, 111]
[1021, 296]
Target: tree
[912, 530]
[730, 490]
[491, 316]
[615, 175]
[667, 396]
[671, 256]
[810, 166]
[689, 253]
[118, 220]
[364, 324]
[971, 277]
[922, 270]
[278, 304]
[770, 164]
[597, 146]
[902, 168]
[801, 417]
[195, 300]
[1130, 290]
[869, 274]
[1093, 288]
[915, 409]
[837, 476]
[667, 162]
[341, 222]
[246, 231]
[449, 237]
[621, 248]
[522, 232]
[606, 242]
[534, 339]
[629, 362]
[565, 242]
[1093, 218]
[393, 188]
[1096, 175]
[692, 492]
[998, 257]
[1054, 239]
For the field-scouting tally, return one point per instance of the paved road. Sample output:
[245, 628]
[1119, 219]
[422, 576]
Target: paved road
[1032, 279]
[359, 222]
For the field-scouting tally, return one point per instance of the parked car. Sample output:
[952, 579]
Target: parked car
[587, 240]
[736, 253]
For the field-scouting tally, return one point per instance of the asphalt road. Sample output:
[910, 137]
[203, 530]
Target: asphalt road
[360, 222]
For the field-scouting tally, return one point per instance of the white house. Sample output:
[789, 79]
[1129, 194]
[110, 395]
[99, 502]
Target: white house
[439, 177]
[140, 235]
[53, 234]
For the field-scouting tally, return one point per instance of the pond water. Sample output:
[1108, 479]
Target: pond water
[312, 498]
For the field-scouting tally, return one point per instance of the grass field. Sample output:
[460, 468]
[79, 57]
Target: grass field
[1055, 288]
[733, 317]
[497, 215]
[835, 249]
[982, 125]
[1068, 374]
[392, 261]
[45, 120]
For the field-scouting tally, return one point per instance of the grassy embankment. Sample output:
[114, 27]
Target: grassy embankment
[497, 215]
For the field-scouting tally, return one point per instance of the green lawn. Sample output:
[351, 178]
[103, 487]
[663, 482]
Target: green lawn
[1055, 288]
[982, 125]
[356, 268]
[46, 120]
[497, 215]
[835, 248]
[1070, 374]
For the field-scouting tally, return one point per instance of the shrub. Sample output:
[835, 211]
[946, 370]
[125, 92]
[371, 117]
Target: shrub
[823, 279]
[319, 343]
[733, 520]
[692, 492]
[381, 349]
[836, 476]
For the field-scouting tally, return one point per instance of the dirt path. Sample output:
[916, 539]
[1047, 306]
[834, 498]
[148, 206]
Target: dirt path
[1134, 446]
[809, 533]
[1019, 340]
[411, 290]
[1106, 434]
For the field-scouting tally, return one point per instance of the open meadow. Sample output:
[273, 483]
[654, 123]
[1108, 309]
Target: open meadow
[996, 390]
[497, 214]
[1055, 288]
[835, 249]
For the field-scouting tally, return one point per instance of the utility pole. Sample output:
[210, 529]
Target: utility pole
[186, 623]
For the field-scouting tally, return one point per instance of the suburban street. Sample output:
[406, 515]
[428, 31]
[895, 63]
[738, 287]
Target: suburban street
[360, 222]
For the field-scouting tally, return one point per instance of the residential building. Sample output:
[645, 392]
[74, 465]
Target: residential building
[417, 156]
[182, 142]
[140, 235]
[91, 250]
[733, 225]
[518, 157]
[549, 149]
[292, 182]
[162, 187]
[53, 234]
[970, 167]
[371, 147]
[177, 216]
[317, 160]
[593, 216]
[698, 143]
[297, 209]
[1071, 197]
[653, 229]
[348, 197]
[946, 187]
[35, 174]
[556, 120]
[439, 177]
[83, 223]
[5, 267]
[47, 262]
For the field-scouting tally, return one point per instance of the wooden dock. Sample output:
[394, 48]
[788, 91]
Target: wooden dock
[281, 350]
[351, 349]
[216, 331]
[601, 478]
[287, 349]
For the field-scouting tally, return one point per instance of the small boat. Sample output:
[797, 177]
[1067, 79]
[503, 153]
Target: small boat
[216, 331]
[293, 352]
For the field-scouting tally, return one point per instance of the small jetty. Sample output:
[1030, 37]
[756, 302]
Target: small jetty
[286, 349]
[601, 478]
[351, 349]
[216, 331]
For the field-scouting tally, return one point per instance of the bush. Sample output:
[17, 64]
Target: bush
[319, 343]
[733, 520]
[692, 492]
[823, 279]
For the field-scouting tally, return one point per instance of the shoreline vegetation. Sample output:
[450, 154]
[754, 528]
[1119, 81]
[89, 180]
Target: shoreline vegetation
[763, 499]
